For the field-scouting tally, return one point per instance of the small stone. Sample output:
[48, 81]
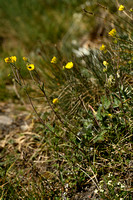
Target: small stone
[24, 127]
[5, 120]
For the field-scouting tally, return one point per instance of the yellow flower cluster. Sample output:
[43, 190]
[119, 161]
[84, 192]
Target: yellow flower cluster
[69, 65]
[121, 8]
[30, 67]
[54, 60]
[112, 33]
[56, 100]
[11, 59]
[102, 48]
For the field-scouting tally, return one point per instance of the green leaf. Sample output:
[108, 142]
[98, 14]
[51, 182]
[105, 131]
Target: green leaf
[105, 102]
[116, 103]
[98, 115]
[100, 137]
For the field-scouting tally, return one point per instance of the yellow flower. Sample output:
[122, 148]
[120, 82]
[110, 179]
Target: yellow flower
[25, 59]
[121, 8]
[54, 60]
[13, 59]
[112, 33]
[69, 65]
[110, 115]
[7, 60]
[56, 100]
[105, 63]
[131, 10]
[103, 47]
[30, 67]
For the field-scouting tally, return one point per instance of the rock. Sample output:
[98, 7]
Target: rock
[4, 120]
[24, 127]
